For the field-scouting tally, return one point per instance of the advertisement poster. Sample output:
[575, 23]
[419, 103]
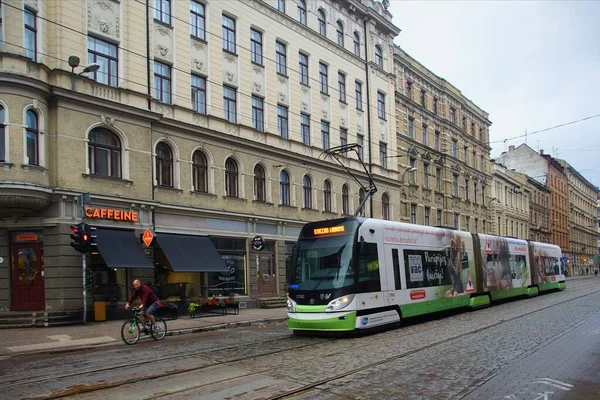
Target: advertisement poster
[444, 258]
[504, 263]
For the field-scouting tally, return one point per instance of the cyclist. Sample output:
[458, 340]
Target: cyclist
[150, 302]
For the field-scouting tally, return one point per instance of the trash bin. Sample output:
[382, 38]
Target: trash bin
[99, 311]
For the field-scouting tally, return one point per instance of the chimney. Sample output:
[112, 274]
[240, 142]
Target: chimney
[511, 148]
[542, 151]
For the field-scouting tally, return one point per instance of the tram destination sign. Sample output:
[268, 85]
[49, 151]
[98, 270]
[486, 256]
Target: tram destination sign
[330, 230]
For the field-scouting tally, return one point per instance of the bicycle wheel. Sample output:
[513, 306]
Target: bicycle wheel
[130, 332]
[162, 329]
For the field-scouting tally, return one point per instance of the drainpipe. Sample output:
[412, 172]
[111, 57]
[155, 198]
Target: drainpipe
[368, 112]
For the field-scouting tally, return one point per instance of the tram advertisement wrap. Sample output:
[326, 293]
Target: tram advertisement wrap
[504, 263]
[444, 259]
[546, 264]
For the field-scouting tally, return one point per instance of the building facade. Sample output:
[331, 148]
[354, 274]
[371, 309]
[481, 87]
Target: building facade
[546, 170]
[539, 211]
[442, 151]
[582, 227]
[510, 206]
[202, 119]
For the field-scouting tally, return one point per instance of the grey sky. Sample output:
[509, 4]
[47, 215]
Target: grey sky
[530, 65]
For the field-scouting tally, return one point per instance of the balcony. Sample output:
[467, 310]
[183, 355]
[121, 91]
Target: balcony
[19, 199]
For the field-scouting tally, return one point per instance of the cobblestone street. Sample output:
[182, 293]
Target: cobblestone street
[514, 349]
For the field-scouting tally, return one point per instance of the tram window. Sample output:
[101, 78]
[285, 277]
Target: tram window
[396, 263]
[368, 269]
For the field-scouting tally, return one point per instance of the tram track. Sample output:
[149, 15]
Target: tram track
[100, 388]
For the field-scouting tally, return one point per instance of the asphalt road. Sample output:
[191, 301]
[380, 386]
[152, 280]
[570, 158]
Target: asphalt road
[540, 348]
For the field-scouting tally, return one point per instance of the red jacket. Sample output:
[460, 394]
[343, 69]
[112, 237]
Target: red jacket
[145, 294]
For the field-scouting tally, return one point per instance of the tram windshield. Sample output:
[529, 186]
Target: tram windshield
[323, 263]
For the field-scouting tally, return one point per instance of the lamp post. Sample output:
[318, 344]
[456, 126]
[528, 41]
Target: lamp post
[411, 169]
[74, 63]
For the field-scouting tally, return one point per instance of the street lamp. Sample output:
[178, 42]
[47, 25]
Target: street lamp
[74, 63]
[411, 169]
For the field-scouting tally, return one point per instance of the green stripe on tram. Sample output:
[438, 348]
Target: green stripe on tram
[330, 324]
[426, 307]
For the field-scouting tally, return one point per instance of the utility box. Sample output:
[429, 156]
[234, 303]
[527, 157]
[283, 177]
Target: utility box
[99, 311]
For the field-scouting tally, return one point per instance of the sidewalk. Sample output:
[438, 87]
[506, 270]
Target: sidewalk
[63, 338]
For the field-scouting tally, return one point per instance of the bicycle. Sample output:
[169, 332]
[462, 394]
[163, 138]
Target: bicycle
[133, 328]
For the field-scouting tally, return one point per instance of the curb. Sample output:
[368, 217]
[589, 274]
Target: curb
[177, 332]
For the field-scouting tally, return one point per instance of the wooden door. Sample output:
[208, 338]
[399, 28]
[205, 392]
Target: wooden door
[27, 288]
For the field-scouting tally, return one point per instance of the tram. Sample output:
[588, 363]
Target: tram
[357, 273]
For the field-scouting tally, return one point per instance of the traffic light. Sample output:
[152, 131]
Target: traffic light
[88, 240]
[76, 237]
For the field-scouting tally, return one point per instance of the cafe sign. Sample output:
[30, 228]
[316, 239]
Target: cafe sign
[111, 214]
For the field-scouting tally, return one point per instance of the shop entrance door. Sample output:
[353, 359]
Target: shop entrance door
[27, 288]
[267, 279]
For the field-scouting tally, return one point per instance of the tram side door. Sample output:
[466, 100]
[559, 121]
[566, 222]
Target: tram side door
[393, 276]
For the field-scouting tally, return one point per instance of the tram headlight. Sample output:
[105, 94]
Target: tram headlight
[291, 305]
[339, 303]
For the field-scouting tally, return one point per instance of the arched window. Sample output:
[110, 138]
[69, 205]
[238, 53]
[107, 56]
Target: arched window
[2, 136]
[231, 178]
[345, 200]
[200, 172]
[356, 44]
[340, 33]
[385, 206]
[327, 196]
[33, 136]
[284, 188]
[322, 23]
[378, 56]
[302, 12]
[361, 196]
[307, 191]
[164, 165]
[104, 153]
[260, 193]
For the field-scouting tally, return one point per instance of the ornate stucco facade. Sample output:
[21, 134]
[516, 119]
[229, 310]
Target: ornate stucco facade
[444, 137]
[510, 203]
[205, 118]
[539, 211]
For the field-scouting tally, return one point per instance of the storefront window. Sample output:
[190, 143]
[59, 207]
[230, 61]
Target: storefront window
[233, 252]
[108, 284]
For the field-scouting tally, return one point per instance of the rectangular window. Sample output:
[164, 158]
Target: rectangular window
[104, 54]
[455, 185]
[358, 95]
[482, 165]
[425, 135]
[411, 175]
[438, 179]
[305, 128]
[465, 158]
[343, 136]
[435, 106]
[454, 148]
[162, 11]
[453, 114]
[411, 128]
[229, 103]
[409, 90]
[437, 143]
[199, 93]
[323, 85]
[476, 225]
[396, 263]
[342, 86]
[473, 128]
[303, 67]
[162, 82]
[467, 191]
[456, 221]
[423, 99]
[475, 186]
[368, 277]
[360, 140]
[256, 47]
[281, 58]
[280, 4]
[30, 19]
[383, 154]
[282, 121]
[228, 27]
[325, 135]
[468, 224]
[413, 213]
[426, 176]
[258, 113]
[482, 194]
[474, 159]
[381, 105]
[439, 217]
[427, 212]
[464, 123]
[197, 20]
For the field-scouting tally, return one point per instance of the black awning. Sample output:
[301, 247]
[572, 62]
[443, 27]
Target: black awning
[121, 249]
[187, 253]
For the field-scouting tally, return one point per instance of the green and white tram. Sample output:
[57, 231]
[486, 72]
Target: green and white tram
[356, 273]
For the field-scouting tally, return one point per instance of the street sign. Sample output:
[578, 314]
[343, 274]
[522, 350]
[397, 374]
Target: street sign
[148, 237]
[563, 260]
[258, 243]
